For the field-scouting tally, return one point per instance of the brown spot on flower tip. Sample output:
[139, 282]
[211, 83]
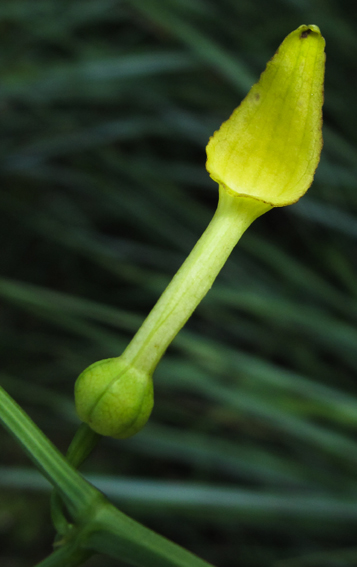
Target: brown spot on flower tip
[305, 33]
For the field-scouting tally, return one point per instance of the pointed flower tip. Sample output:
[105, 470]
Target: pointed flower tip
[270, 147]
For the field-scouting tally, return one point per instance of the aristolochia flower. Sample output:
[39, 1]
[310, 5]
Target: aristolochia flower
[264, 156]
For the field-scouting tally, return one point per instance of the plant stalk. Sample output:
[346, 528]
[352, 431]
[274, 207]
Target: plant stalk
[193, 280]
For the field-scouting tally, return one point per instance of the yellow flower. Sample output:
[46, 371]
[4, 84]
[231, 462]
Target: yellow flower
[270, 146]
[264, 156]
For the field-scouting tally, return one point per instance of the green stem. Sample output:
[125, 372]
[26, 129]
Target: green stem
[131, 542]
[99, 526]
[76, 492]
[82, 444]
[67, 556]
[193, 280]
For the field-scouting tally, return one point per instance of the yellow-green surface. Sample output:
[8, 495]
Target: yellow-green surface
[270, 147]
[114, 398]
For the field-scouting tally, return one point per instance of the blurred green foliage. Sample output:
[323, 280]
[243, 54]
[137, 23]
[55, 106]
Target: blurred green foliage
[250, 457]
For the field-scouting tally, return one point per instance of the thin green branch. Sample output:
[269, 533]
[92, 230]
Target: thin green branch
[117, 535]
[100, 527]
[76, 492]
[69, 556]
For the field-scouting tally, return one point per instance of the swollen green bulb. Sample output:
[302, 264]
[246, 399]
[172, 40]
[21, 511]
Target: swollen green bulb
[114, 398]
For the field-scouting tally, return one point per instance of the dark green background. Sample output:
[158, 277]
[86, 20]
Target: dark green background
[250, 457]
